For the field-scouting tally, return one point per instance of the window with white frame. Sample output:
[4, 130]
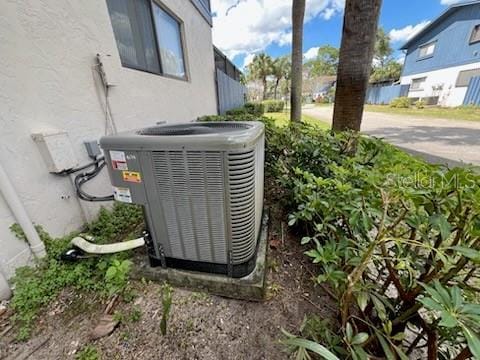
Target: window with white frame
[475, 36]
[426, 50]
[149, 37]
[417, 84]
[465, 76]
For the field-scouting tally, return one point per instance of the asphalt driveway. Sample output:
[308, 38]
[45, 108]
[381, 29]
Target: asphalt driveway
[453, 142]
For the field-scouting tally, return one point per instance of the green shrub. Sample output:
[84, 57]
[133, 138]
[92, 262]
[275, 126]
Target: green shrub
[240, 117]
[273, 105]
[237, 111]
[400, 102]
[322, 100]
[255, 108]
[37, 287]
[374, 218]
[420, 104]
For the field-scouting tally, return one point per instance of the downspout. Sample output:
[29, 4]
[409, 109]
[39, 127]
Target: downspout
[15, 204]
[5, 292]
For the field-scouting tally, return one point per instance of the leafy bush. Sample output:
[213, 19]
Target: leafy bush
[396, 239]
[402, 102]
[241, 117]
[255, 108]
[36, 287]
[237, 111]
[249, 109]
[273, 105]
[420, 104]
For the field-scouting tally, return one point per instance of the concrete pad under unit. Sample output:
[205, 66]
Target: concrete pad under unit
[250, 287]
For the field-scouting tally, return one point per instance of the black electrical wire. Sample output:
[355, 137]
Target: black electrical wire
[82, 178]
[80, 168]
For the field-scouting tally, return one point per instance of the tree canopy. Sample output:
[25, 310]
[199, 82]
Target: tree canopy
[385, 67]
[260, 68]
[326, 62]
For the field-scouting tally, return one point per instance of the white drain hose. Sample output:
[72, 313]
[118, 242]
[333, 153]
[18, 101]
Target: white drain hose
[90, 248]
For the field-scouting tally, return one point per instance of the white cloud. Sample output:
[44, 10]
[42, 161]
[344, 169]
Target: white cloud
[405, 33]
[311, 53]
[400, 59]
[450, 2]
[248, 59]
[249, 26]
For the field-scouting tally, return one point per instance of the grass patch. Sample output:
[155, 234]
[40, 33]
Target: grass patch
[470, 113]
[282, 119]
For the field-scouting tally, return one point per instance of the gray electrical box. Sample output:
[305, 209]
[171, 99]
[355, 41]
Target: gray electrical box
[201, 185]
[93, 149]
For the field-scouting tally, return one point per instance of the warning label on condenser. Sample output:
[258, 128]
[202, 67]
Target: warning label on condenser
[122, 194]
[119, 161]
[131, 176]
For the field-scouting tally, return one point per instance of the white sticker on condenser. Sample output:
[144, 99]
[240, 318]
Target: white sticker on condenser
[122, 194]
[117, 155]
[119, 161]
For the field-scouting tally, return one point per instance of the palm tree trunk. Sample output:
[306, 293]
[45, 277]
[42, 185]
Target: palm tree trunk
[276, 87]
[264, 81]
[298, 13]
[356, 54]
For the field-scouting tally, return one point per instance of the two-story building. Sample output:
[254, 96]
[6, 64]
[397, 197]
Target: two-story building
[72, 71]
[442, 59]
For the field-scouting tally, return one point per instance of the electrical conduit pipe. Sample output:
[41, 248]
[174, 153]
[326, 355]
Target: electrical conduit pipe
[18, 210]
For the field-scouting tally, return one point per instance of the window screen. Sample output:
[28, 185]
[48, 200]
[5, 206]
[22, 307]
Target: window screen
[132, 26]
[475, 37]
[464, 77]
[417, 84]
[426, 50]
[146, 40]
[169, 42]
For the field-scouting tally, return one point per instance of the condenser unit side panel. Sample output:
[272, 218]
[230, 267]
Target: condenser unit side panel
[192, 203]
[154, 211]
[242, 204]
[259, 185]
[126, 176]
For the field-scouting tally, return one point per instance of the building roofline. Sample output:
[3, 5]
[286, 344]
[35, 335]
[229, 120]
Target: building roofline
[438, 19]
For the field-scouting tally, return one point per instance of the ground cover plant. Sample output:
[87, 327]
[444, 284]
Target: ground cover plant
[396, 241]
[36, 286]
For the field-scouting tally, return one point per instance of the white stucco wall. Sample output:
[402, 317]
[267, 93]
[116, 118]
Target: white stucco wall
[449, 95]
[47, 82]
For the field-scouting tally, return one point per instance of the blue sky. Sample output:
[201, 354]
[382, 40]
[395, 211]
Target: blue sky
[246, 27]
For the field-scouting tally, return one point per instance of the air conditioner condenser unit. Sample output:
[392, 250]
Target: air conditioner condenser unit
[201, 186]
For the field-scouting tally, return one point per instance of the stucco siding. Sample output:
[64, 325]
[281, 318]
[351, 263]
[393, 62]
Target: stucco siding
[452, 39]
[441, 83]
[48, 82]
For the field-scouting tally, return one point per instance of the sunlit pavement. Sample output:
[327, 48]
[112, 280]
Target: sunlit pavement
[437, 140]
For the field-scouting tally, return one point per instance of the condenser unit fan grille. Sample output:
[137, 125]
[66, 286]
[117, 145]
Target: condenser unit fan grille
[193, 129]
[190, 187]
